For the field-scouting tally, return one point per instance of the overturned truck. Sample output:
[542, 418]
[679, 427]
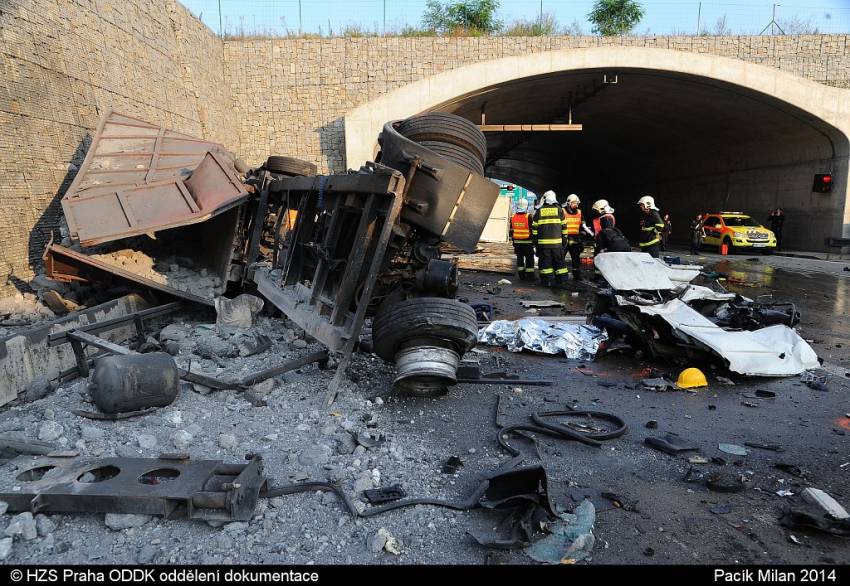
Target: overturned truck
[184, 217]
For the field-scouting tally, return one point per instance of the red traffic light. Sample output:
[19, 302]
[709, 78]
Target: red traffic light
[822, 183]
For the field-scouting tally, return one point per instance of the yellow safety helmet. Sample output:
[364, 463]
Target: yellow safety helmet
[691, 378]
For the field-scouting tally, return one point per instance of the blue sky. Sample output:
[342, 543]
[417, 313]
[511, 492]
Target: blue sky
[662, 16]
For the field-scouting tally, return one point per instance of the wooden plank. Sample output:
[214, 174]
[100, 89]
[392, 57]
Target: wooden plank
[530, 127]
[485, 262]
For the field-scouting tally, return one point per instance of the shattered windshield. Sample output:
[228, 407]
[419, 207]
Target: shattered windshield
[741, 221]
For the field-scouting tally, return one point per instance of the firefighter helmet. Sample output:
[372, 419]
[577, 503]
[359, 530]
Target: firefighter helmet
[549, 197]
[601, 207]
[573, 198]
[648, 202]
[522, 205]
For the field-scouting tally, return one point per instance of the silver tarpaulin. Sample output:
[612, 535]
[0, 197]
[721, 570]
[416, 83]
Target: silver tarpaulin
[577, 341]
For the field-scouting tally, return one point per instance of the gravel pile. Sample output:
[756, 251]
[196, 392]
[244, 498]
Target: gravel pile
[286, 420]
[166, 271]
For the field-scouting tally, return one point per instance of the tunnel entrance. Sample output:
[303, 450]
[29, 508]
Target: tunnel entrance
[697, 142]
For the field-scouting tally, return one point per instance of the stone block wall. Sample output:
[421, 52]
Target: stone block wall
[290, 95]
[63, 63]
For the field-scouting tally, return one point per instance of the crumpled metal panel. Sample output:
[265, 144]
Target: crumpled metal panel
[630, 271]
[575, 341]
[134, 181]
[773, 351]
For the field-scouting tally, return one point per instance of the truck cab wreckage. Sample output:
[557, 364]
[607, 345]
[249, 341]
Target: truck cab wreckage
[328, 251]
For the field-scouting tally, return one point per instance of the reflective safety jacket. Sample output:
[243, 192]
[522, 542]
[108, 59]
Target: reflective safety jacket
[602, 222]
[651, 226]
[521, 228]
[549, 227]
[573, 219]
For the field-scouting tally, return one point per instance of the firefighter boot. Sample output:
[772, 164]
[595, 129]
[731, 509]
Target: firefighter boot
[560, 282]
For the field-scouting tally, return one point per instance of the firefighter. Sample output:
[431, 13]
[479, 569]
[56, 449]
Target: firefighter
[604, 217]
[520, 232]
[549, 230]
[608, 237]
[573, 245]
[651, 227]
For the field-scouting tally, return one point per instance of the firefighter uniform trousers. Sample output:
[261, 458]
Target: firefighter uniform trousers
[574, 246]
[549, 230]
[651, 227]
[520, 233]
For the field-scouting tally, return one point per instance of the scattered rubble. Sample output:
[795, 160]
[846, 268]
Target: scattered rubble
[119, 522]
[165, 271]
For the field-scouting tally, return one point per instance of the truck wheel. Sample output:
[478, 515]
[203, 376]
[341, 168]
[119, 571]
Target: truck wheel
[290, 166]
[445, 127]
[446, 320]
[456, 154]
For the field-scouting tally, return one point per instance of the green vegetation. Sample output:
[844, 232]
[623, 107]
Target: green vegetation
[472, 17]
[615, 17]
[475, 18]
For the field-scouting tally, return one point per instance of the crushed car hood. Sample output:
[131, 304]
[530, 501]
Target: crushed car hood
[773, 351]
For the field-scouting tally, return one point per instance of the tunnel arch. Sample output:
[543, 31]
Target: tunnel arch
[700, 132]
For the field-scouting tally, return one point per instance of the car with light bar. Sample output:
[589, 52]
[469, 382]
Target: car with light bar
[730, 231]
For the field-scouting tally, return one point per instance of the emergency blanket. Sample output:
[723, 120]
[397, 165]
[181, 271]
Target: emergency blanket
[772, 351]
[576, 341]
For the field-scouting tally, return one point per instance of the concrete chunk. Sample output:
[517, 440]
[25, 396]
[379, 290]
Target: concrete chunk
[822, 500]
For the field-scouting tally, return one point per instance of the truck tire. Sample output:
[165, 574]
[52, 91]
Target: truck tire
[448, 320]
[290, 166]
[445, 127]
[456, 154]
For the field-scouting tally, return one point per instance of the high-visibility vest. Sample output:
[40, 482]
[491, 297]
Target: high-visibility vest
[521, 228]
[573, 221]
[549, 226]
[597, 223]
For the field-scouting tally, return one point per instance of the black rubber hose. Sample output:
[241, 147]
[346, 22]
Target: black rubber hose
[297, 487]
[559, 431]
[573, 435]
[621, 428]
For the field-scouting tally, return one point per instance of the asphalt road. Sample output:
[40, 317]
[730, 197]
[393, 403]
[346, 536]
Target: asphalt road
[673, 521]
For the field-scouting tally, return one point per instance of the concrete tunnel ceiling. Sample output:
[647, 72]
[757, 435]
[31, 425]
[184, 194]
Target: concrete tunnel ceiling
[695, 143]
